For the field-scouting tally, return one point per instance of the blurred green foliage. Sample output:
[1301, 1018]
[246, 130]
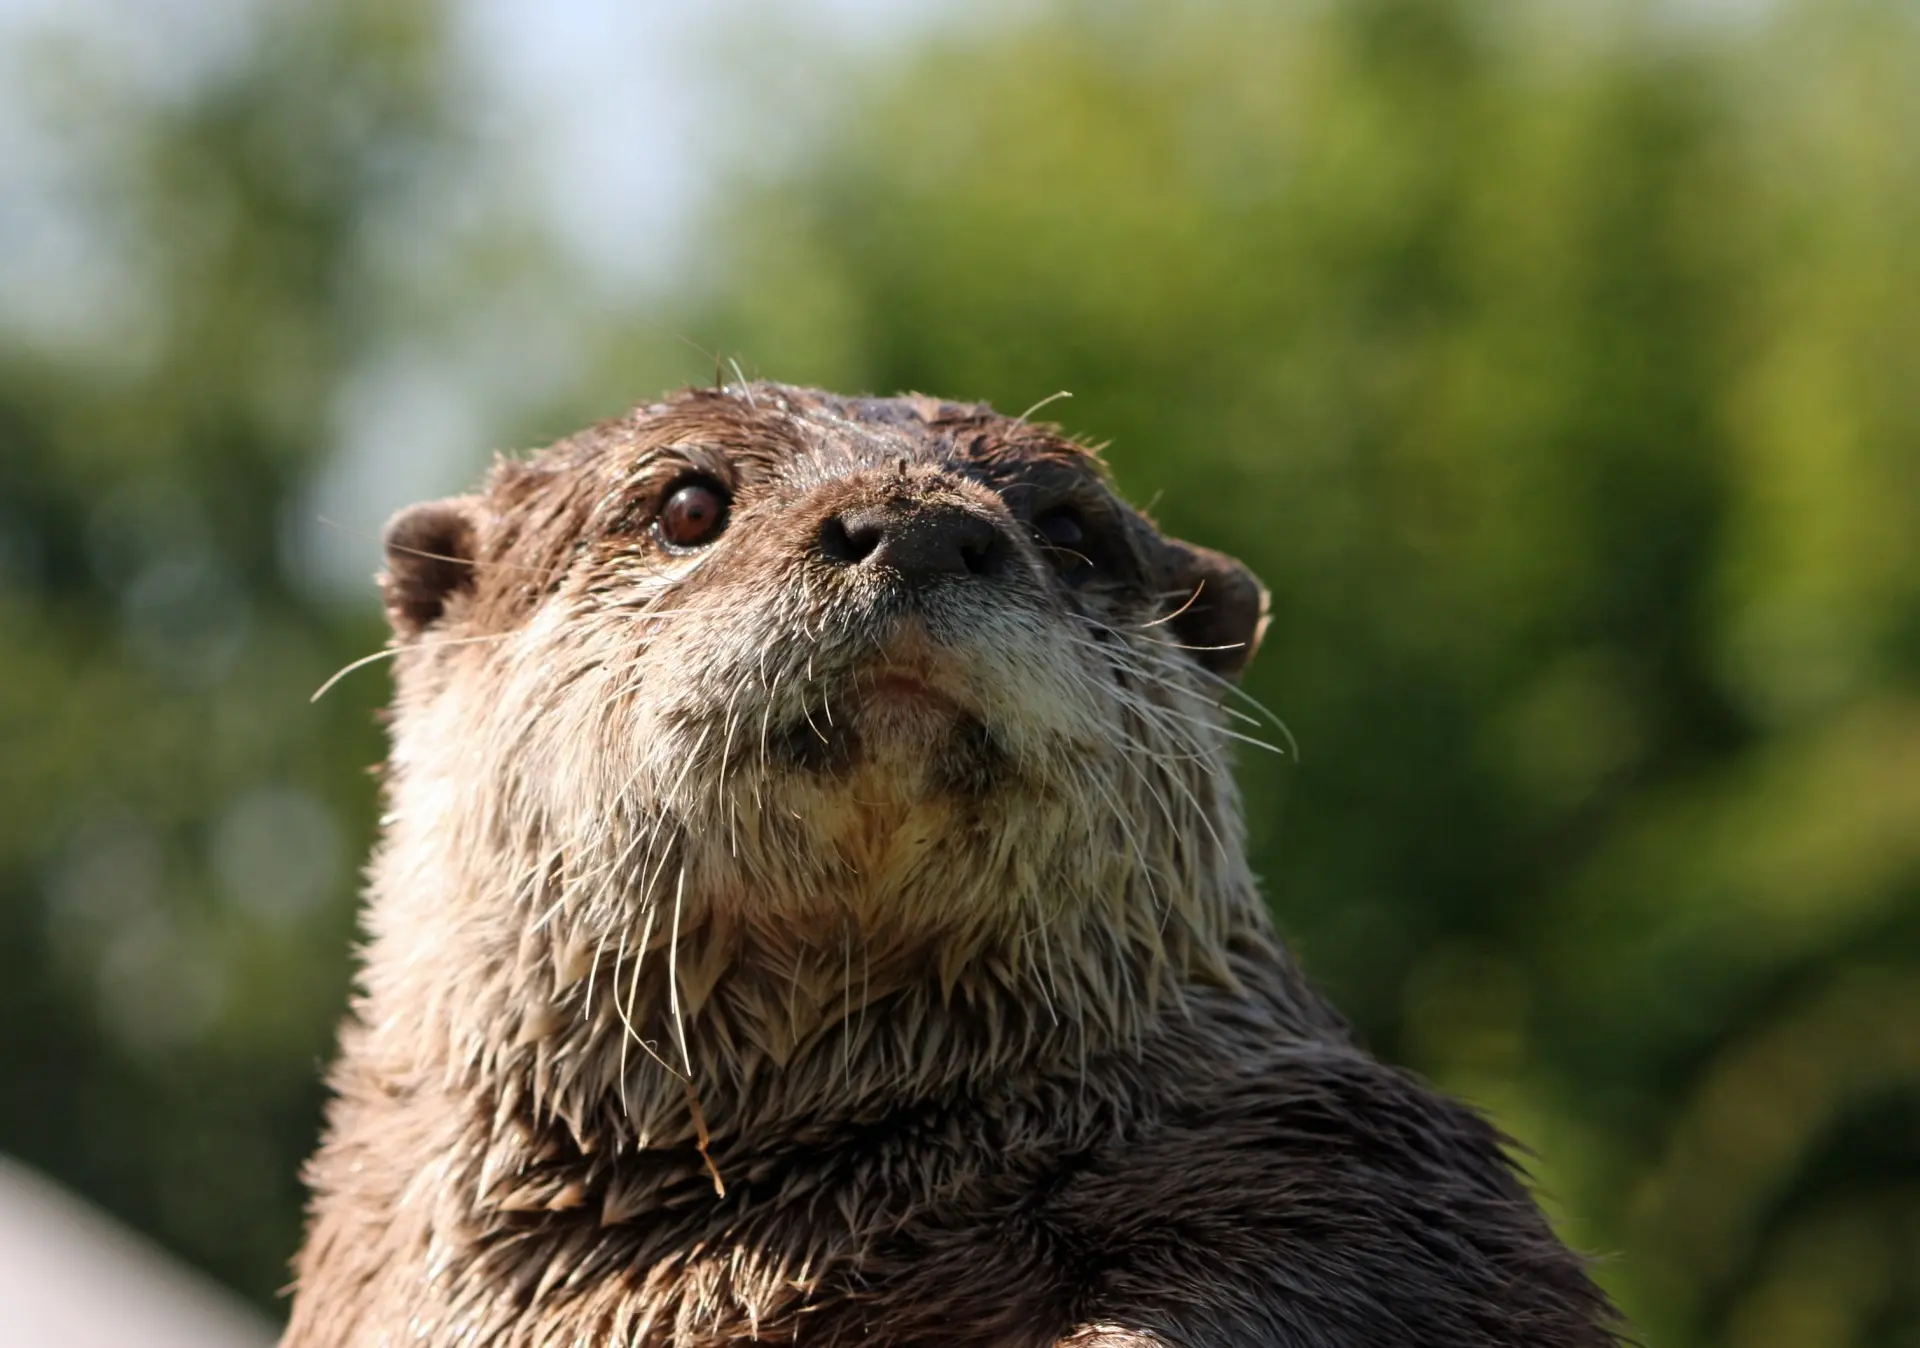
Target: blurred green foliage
[178, 828]
[1557, 366]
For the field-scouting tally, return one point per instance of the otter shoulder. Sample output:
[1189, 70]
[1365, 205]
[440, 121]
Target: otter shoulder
[1308, 1195]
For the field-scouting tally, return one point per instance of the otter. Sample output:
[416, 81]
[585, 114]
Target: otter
[812, 908]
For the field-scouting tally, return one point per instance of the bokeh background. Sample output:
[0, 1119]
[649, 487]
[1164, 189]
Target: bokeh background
[1557, 365]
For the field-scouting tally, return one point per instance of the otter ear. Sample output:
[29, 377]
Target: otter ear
[430, 555]
[1224, 607]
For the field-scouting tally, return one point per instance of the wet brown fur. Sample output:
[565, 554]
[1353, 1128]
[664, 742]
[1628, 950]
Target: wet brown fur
[705, 1003]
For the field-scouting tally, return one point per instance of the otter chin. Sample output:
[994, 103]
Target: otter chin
[812, 907]
[907, 709]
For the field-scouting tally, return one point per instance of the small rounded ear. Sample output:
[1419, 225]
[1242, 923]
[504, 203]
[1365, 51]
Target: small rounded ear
[430, 555]
[1223, 611]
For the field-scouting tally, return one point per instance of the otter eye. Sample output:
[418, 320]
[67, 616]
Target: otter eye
[693, 515]
[1061, 528]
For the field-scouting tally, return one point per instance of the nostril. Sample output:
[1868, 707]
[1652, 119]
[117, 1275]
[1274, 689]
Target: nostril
[982, 555]
[838, 543]
[913, 539]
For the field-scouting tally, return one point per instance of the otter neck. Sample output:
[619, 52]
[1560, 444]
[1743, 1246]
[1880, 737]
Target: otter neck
[706, 1028]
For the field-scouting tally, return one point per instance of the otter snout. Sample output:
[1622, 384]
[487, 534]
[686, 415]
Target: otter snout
[919, 539]
[908, 527]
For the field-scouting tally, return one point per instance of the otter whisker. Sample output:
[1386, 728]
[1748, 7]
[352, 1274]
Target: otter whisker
[760, 777]
[846, 996]
[746, 389]
[766, 720]
[619, 954]
[1230, 687]
[1226, 685]
[477, 563]
[630, 1033]
[866, 989]
[541, 870]
[1175, 727]
[673, 974]
[389, 652]
[1052, 980]
[1189, 602]
[818, 733]
[1129, 747]
[1050, 398]
[1164, 720]
[1168, 714]
[1135, 849]
[1197, 649]
[586, 1004]
[726, 769]
[644, 838]
[793, 1002]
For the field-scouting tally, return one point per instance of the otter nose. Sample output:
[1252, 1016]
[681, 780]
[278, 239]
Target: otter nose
[915, 538]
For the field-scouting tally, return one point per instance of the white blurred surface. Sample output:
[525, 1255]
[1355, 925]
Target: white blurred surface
[72, 1277]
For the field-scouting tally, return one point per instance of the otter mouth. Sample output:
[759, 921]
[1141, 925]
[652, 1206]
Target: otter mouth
[906, 707]
[899, 689]
[906, 695]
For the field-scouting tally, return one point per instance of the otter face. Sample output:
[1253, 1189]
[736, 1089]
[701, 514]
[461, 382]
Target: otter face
[817, 669]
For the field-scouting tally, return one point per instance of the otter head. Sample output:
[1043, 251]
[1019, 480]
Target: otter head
[761, 707]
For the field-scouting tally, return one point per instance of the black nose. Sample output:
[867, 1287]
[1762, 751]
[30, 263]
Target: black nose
[915, 538]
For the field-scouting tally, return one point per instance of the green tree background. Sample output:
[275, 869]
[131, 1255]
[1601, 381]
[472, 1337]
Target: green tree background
[1557, 366]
